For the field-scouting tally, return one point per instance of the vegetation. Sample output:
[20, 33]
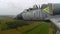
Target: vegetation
[11, 26]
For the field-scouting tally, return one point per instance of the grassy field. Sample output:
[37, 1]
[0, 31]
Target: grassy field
[11, 26]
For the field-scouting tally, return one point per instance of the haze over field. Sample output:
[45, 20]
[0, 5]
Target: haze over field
[14, 7]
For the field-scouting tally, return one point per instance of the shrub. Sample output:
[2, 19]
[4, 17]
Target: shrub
[15, 24]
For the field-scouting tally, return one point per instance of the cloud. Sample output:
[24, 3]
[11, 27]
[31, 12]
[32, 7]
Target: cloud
[14, 7]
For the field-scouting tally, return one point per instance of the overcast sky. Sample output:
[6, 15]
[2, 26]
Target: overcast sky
[14, 7]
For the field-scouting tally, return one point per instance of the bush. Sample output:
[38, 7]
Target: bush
[15, 24]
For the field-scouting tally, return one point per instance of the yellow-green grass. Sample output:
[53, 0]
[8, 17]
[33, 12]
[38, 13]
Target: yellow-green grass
[52, 31]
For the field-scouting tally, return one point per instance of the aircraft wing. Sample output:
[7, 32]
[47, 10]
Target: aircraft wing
[56, 21]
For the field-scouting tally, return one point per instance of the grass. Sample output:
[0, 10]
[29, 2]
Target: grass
[52, 31]
[39, 29]
[34, 27]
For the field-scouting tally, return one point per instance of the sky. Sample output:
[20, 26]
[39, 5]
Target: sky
[14, 7]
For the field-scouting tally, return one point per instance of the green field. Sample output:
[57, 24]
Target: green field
[11, 26]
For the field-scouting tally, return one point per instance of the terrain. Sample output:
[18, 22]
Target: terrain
[9, 25]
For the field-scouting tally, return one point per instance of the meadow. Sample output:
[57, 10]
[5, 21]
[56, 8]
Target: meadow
[12, 26]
